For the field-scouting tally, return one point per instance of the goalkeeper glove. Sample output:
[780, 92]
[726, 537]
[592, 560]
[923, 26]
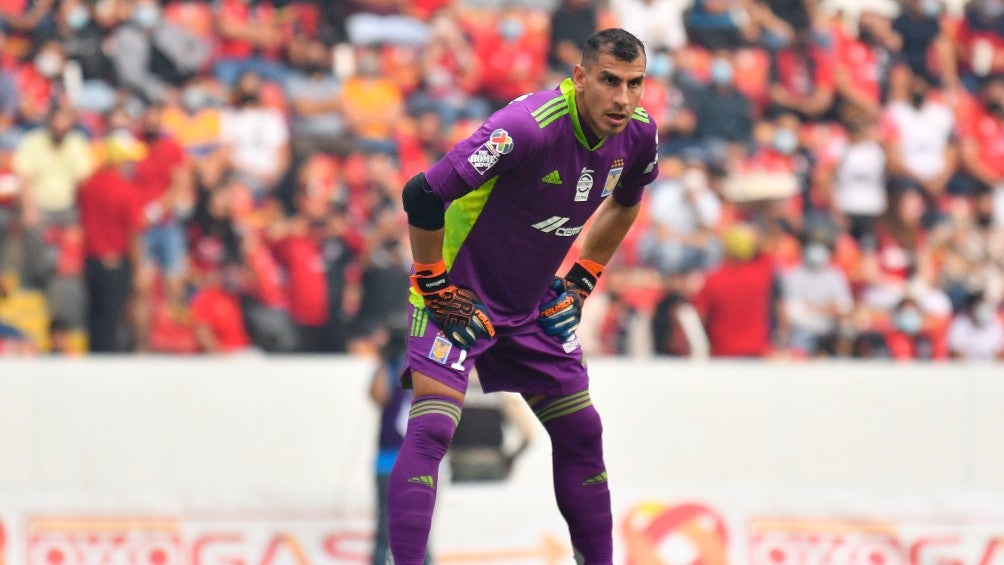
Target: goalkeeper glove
[457, 311]
[561, 316]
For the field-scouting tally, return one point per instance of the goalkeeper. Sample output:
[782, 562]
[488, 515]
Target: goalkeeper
[489, 225]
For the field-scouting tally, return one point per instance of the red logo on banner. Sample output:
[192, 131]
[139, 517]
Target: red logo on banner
[684, 534]
[104, 542]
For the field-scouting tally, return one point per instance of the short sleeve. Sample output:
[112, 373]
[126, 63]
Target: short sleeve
[644, 170]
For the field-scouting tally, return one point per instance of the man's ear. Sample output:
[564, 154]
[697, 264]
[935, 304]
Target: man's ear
[578, 76]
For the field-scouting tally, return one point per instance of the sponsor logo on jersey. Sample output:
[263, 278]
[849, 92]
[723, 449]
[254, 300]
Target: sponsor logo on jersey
[613, 177]
[555, 224]
[499, 142]
[553, 177]
[482, 160]
[584, 185]
[440, 349]
[570, 345]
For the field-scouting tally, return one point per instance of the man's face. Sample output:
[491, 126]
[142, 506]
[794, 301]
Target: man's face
[607, 92]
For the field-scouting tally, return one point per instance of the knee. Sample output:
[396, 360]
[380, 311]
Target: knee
[580, 432]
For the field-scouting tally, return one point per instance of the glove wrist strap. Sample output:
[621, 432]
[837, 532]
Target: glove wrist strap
[430, 278]
[584, 274]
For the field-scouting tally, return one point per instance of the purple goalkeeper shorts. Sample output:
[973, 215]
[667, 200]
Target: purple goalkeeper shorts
[522, 359]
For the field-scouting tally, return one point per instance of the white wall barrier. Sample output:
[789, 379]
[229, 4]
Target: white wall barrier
[268, 461]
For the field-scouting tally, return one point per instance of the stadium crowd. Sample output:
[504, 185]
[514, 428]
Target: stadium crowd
[185, 176]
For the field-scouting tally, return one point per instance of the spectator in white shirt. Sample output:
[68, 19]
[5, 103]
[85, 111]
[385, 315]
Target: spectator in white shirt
[816, 297]
[858, 186]
[257, 137]
[976, 332]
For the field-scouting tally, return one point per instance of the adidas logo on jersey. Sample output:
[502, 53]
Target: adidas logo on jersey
[598, 479]
[552, 177]
[423, 480]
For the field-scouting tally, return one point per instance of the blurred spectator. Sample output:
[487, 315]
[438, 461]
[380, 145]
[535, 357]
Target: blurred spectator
[251, 35]
[571, 23]
[193, 117]
[817, 298]
[20, 20]
[976, 332]
[452, 74]
[982, 146]
[862, 65]
[513, 61]
[901, 251]
[683, 215]
[314, 94]
[677, 329]
[298, 250]
[425, 144]
[111, 218]
[92, 88]
[657, 23]
[777, 20]
[164, 179]
[385, 265]
[720, 24]
[920, 137]
[927, 49]
[257, 137]
[736, 301]
[667, 102]
[979, 42]
[801, 78]
[216, 313]
[858, 183]
[372, 104]
[51, 161]
[909, 337]
[724, 115]
[151, 53]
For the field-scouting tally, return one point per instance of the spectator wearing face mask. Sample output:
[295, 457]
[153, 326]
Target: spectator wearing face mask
[816, 298]
[514, 62]
[802, 78]
[921, 148]
[151, 53]
[909, 336]
[724, 115]
[976, 332]
[862, 64]
[257, 137]
[92, 89]
[372, 103]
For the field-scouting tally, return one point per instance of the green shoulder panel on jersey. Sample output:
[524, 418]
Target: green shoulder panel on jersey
[550, 111]
[460, 218]
[641, 115]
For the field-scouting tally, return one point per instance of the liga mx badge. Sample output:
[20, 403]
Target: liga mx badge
[613, 177]
[500, 142]
[440, 349]
[584, 185]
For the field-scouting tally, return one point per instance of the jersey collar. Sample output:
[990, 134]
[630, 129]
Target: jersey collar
[568, 91]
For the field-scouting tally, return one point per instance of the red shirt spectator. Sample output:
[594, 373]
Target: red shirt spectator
[984, 131]
[154, 175]
[513, 63]
[218, 320]
[247, 29]
[306, 284]
[109, 214]
[735, 305]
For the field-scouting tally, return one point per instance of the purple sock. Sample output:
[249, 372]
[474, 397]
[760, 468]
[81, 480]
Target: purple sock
[580, 478]
[411, 490]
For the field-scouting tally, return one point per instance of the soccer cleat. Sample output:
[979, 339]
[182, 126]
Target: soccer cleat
[552, 177]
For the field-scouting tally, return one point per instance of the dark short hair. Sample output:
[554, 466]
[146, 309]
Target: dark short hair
[619, 43]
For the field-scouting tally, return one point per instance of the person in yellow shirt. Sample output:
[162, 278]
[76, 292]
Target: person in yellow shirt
[50, 163]
[373, 104]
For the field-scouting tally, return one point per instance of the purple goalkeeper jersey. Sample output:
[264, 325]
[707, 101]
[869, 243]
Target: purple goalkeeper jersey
[533, 179]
